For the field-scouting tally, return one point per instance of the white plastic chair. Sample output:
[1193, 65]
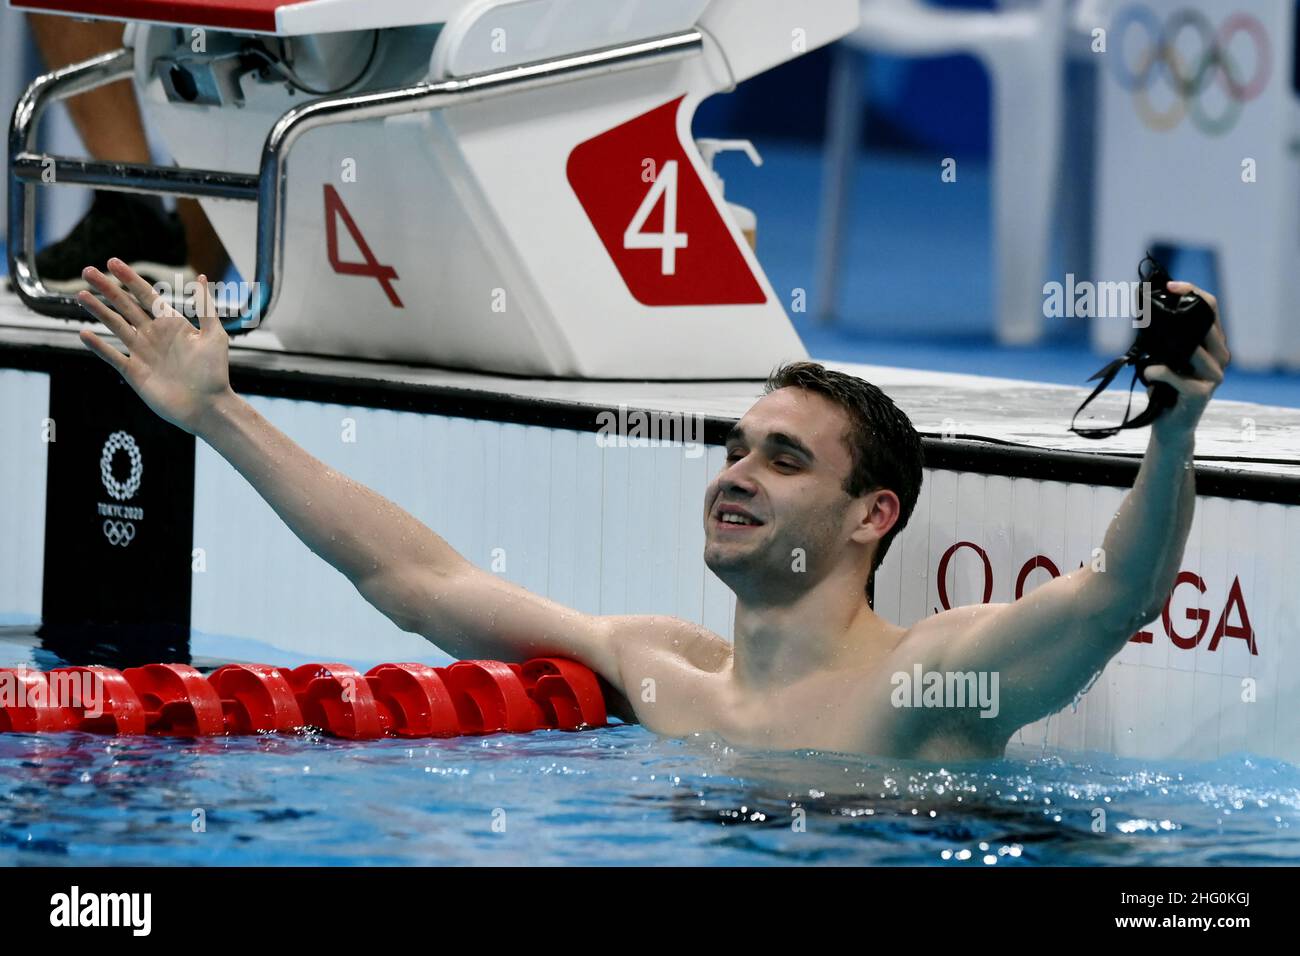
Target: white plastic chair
[1023, 48]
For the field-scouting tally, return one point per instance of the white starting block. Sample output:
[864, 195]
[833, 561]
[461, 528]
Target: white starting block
[505, 185]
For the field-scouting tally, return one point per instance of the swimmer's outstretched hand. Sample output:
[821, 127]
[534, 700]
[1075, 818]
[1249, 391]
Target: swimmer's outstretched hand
[178, 370]
[1208, 363]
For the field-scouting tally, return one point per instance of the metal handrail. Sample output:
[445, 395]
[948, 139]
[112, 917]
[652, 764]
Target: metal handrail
[267, 188]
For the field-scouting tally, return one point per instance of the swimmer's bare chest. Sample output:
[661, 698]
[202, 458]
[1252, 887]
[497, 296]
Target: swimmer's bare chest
[848, 711]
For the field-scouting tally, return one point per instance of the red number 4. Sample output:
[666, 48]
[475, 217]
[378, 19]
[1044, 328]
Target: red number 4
[384, 275]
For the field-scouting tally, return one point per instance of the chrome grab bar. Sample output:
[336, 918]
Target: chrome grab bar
[267, 189]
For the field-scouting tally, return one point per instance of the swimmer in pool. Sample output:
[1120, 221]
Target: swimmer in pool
[821, 474]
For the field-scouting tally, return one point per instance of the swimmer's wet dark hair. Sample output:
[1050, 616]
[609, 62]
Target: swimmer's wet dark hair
[885, 447]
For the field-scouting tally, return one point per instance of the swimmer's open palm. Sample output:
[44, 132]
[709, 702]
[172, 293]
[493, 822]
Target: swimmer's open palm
[178, 370]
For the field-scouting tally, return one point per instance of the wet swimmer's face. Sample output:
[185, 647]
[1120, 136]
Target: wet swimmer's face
[782, 488]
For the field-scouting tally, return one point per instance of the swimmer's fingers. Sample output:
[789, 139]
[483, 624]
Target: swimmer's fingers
[1179, 287]
[1183, 384]
[122, 301]
[1206, 366]
[153, 303]
[116, 324]
[209, 323]
[105, 351]
[1215, 341]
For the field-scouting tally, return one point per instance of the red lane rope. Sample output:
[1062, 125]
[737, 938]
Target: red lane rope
[390, 700]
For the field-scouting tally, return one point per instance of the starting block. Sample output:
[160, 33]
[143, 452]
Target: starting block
[504, 185]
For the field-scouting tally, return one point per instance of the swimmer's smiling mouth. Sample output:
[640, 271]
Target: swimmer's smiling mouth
[734, 516]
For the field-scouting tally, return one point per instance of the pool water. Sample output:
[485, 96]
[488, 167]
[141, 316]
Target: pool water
[619, 795]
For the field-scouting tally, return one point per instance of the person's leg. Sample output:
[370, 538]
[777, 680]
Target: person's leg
[108, 119]
[206, 253]
[110, 125]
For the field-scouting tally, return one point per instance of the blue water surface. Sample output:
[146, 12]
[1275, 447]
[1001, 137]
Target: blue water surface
[620, 795]
[617, 795]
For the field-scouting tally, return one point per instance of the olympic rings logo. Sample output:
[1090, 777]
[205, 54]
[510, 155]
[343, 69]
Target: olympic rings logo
[1189, 80]
[121, 441]
[119, 533]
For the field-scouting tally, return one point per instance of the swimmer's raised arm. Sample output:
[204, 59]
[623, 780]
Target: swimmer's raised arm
[397, 564]
[1048, 646]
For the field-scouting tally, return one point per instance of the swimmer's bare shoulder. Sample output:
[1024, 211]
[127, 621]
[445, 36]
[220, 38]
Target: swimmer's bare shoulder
[472, 613]
[936, 733]
[1036, 654]
[667, 671]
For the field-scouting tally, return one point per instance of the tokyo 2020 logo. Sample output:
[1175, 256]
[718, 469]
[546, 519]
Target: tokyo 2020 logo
[1190, 59]
[120, 533]
[120, 441]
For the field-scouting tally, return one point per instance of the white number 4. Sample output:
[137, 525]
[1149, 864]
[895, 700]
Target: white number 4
[669, 241]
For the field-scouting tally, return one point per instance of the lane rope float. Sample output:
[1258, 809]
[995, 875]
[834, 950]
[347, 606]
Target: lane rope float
[389, 700]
